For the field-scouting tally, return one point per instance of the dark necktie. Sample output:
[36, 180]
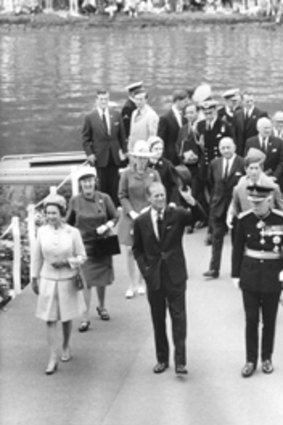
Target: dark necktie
[226, 171]
[104, 121]
[265, 145]
[159, 225]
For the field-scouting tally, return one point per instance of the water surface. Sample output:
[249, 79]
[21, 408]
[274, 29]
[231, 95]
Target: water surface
[48, 78]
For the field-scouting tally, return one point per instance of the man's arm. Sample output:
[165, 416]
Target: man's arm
[279, 169]
[162, 128]
[87, 140]
[122, 135]
[238, 249]
[139, 249]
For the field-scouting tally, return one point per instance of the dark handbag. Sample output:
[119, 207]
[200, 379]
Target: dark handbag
[78, 281]
[105, 246]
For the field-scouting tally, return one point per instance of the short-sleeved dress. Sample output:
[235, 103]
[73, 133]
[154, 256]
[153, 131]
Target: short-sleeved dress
[132, 195]
[58, 299]
[87, 215]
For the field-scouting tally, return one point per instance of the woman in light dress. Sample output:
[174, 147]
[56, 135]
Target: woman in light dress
[59, 252]
[132, 195]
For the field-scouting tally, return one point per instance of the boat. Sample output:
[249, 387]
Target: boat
[45, 168]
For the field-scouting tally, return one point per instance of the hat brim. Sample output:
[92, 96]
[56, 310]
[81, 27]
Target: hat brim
[257, 199]
[142, 155]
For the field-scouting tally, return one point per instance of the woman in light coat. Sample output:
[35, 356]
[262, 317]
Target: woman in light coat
[58, 253]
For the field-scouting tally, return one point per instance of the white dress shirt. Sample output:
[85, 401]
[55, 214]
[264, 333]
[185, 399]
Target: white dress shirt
[154, 217]
[107, 117]
[230, 163]
[178, 115]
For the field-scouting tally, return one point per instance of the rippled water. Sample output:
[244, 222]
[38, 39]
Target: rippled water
[48, 78]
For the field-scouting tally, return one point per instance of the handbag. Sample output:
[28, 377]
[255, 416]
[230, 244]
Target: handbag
[105, 246]
[78, 281]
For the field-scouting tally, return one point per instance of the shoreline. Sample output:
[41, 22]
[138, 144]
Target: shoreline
[120, 21]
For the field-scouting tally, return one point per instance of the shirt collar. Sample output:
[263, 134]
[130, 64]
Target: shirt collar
[100, 111]
[155, 214]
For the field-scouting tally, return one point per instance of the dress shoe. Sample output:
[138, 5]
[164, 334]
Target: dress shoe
[248, 370]
[84, 326]
[129, 294]
[212, 274]
[103, 313]
[180, 369]
[141, 290]
[160, 367]
[267, 366]
[66, 355]
[51, 368]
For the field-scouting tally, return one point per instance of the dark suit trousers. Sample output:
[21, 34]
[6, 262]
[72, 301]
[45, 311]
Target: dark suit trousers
[219, 229]
[174, 298]
[267, 304]
[108, 178]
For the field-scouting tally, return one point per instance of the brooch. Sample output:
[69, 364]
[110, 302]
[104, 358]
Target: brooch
[260, 224]
[276, 240]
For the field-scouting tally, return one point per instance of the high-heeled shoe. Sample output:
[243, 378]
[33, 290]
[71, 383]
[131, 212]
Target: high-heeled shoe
[66, 356]
[51, 367]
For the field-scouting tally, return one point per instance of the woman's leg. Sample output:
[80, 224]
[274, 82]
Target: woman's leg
[67, 330]
[87, 297]
[131, 268]
[100, 290]
[52, 344]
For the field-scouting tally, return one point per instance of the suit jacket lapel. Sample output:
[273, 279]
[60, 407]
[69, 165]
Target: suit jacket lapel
[150, 225]
[99, 121]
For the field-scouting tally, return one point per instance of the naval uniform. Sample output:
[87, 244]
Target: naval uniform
[257, 261]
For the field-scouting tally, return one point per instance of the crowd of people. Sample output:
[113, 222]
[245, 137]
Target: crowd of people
[200, 164]
[134, 7]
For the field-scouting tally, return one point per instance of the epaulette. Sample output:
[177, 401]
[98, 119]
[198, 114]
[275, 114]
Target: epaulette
[244, 214]
[278, 212]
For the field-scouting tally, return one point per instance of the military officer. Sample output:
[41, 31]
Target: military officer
[256, 266]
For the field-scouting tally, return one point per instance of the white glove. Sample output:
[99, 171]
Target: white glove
[133, 214]
[122, 155]
[229, 221]
[236, 282]
[101, 229]
[281, 276]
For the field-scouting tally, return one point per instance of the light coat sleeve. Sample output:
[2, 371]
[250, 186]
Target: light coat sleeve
[79, 253]
[37, 257]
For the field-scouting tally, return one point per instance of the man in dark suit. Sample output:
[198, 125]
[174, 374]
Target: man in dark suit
[232, 103]
[245, 121]
[170, 124]
[158, 251]
[224, 174]
[210, 130]
[130, 106]
[272, 147]
[257, 270]
[104, 142]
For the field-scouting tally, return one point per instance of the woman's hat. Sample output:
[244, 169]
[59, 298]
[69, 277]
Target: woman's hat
[55, 199]
[141, 150]
[153, 140]
[86, 171]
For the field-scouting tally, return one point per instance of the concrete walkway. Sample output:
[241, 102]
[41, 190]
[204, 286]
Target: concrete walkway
[109, 380]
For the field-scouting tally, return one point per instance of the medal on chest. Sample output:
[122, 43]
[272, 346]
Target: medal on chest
[260, 225]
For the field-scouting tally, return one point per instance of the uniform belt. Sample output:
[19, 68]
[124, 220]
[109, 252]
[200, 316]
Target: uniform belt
[263, 255]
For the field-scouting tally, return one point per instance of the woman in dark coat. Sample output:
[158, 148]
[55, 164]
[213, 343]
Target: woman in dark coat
[94, 214]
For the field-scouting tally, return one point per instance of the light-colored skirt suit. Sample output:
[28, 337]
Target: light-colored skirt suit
[58, 298]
